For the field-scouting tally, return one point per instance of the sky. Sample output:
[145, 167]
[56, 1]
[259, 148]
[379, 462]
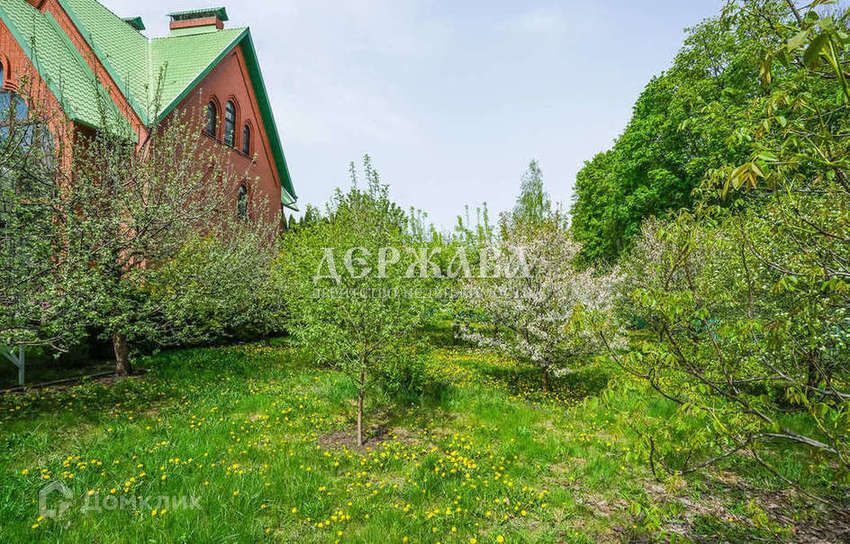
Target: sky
[450, 98]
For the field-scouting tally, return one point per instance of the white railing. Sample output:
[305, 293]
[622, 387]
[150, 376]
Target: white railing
[18, 360]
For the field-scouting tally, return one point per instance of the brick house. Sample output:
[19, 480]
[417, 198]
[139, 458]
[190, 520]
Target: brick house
[76, 56]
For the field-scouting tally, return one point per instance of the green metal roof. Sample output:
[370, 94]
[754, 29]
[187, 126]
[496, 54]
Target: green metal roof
[154, 75]
[59, 63]
[121, 49]
[184, 60]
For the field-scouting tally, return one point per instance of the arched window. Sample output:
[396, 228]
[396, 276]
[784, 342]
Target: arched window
[5, 106]
[229, 123]
[246, 139]
[7, 101]
[242, 203]
[211, 126]
[14, 112]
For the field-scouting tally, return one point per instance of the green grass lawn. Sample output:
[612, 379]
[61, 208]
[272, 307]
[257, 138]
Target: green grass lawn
[258, 443]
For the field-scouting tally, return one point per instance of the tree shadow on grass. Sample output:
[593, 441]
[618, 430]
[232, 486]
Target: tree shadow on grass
[396, 417]
[444, 335]
[173, 377]
[527, 382]
[408, 423]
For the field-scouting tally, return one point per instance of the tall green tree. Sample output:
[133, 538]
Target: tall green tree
[747, 296]
[533, 205]
[684, 124]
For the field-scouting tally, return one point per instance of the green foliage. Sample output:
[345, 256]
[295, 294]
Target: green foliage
[111, 240]
[742, 305]
[533, 300]
[345, 281]
[685, 123]
[128, 211]
[533, 205]
[34, 309]
[216, 288]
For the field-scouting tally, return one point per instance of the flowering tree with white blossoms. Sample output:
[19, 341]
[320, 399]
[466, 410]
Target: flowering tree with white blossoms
[539, 300]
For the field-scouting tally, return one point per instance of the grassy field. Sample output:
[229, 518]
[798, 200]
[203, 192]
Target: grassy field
[252, 443]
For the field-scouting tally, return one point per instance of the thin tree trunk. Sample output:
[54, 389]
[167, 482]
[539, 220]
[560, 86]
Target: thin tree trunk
[122, 354]
[360, 397]
[813, 378]
[545, 380]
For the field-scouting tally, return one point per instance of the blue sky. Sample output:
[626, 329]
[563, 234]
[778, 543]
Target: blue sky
[451, 98]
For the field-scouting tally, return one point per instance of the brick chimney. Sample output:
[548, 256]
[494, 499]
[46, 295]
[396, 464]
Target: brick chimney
[197, 20]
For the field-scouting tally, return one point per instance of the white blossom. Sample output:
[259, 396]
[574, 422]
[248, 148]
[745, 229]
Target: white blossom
[539, 314]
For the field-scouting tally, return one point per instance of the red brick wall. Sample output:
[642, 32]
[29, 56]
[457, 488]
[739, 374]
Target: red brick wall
[230, 81]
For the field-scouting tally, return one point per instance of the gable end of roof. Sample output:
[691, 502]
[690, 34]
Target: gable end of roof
[288, 195]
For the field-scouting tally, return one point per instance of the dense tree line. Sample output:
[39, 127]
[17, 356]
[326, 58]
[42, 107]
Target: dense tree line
[728, 204]
[686, 122]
